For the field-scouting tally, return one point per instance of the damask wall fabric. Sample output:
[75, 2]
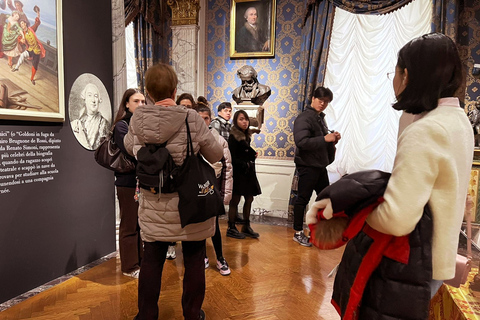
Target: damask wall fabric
[280, 73]
[469, 48]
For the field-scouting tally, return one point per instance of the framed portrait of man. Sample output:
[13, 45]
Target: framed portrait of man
[31, 60]
[252, 29]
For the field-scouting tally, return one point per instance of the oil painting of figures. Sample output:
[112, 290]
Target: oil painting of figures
[30, 76]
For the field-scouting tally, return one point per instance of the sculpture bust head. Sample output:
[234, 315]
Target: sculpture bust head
[250, 91]
[248, 75]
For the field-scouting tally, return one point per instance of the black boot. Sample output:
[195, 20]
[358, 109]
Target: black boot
[239, 219]
[232, 232]
[248, 231]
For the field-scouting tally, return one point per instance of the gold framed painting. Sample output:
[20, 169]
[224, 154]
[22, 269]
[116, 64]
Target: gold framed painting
[252, 29]
[31, 60]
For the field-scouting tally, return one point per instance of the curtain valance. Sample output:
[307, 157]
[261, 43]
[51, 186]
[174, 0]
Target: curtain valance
[359, 6]
[155, 12]
[370, 7]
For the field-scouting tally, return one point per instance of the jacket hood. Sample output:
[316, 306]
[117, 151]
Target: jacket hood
[157, 124]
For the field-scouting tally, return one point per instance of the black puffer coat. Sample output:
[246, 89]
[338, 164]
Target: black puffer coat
[380, 277]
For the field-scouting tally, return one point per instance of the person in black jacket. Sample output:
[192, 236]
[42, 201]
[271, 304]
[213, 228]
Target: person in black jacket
[129, 241]
[315, 151]
[245, 181]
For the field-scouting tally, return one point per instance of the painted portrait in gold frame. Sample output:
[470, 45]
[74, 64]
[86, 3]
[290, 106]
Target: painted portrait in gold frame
[252, 29]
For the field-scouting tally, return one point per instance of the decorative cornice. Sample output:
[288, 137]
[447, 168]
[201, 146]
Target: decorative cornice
[184, 12]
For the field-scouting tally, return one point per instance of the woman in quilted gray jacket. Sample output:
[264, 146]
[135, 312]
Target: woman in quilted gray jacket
[158, 214]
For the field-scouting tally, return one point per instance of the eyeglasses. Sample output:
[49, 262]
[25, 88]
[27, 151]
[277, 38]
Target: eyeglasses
[390, 75]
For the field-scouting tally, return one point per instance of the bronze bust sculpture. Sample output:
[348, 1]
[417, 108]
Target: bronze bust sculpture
[250, 91]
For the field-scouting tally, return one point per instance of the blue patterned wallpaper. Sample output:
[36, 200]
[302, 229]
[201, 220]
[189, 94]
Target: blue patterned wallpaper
[469, 48]
[280, 73]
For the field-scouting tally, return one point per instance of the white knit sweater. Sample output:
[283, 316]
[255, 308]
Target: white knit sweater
[432, 165]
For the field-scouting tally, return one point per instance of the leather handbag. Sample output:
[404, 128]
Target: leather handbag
[197, 187]
[464, 264]
[109, 156]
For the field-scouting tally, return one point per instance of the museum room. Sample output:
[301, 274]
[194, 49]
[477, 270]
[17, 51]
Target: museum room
[243, 159]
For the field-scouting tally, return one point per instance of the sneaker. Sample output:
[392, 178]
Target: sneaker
[232, 232]
[248, 232]
[171, 253]
[202, 315]
[207, 263]
[302, 239]
[222, 266]
[134, 274]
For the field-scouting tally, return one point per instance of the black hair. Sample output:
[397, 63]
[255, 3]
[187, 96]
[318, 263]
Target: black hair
[322, 92]
[205, 109]
[235, 118]
[434, 71]
[224, 105]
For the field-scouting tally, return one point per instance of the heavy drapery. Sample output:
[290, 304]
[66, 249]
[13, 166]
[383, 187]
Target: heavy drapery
[151, 19]
[313, 73]
[445, 17]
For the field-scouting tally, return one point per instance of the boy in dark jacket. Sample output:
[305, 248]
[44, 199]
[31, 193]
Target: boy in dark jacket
[315, 151]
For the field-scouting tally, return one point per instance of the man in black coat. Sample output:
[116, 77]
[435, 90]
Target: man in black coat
[315, 151]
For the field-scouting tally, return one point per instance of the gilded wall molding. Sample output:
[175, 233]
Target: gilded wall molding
[184, 12]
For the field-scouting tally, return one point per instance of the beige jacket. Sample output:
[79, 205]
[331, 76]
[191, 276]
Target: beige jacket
[432, 166]
[227, 183]
[158, 213]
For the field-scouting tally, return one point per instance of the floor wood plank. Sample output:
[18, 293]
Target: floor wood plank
[273, 278]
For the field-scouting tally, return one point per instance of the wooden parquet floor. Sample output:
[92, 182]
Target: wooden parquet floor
[272, 278]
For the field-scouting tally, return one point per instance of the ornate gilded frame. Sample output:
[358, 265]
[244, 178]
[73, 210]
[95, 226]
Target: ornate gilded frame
[237, 21]
[43, 100]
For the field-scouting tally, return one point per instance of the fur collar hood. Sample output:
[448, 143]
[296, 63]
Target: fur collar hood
[240, 135]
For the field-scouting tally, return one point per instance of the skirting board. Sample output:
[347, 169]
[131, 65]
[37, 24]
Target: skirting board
[275, 178]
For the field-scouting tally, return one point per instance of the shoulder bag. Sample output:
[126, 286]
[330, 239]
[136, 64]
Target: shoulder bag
[109, 156]
[197, 187]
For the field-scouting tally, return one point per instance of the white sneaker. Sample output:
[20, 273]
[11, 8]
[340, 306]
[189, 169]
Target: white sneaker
[222, 266]
[171, 253]
[207, 263]
[134, 274]
[302, 239]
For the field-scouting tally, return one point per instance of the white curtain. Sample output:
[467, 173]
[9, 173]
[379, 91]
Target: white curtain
[130, 54]
[363, 48]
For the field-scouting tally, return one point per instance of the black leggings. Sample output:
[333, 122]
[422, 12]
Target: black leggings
[217, 241]
[233, 207]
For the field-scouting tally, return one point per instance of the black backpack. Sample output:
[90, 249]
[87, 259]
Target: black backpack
[156, 169]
